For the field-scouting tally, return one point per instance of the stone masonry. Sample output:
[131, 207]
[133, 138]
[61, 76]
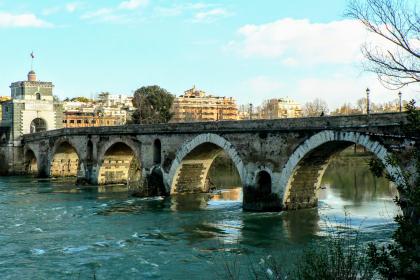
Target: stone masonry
[289, 154]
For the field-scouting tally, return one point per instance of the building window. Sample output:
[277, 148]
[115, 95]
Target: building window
[64, 121]
[79, 121]
[71, 121]
[38, 96]
[86, 121]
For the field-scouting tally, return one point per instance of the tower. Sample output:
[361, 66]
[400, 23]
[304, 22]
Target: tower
[32, 108]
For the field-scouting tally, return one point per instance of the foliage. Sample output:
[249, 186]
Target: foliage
[315, 108]
[81, 99]
[153, 105]
[341, 256]
[401, 259]
[376, 167]
[397, 23]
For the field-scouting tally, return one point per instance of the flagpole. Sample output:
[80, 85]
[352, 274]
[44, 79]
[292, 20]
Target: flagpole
[32, 60]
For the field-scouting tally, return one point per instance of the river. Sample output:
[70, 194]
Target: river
[52, 229]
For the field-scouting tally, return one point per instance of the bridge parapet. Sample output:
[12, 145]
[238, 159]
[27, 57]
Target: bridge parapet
[358, 122]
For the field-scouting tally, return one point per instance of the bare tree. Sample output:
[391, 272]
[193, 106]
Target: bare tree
[315, 108]
[398, 22]
[345, 109]
[361, 105]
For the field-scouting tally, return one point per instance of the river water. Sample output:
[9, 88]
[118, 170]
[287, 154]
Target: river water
[51, 229]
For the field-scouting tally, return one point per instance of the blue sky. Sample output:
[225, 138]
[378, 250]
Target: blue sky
[251, 50]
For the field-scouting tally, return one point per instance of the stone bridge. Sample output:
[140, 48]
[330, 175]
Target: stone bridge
[280, 162]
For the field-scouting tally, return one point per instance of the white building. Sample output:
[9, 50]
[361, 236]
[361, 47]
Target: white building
[117, 100]
[31, 109]
[278, 108]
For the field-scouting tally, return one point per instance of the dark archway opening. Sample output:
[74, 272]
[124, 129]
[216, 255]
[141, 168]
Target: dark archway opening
[31, 165]
[3, 165]
[89, 151]
[260, 197]
[38, 125]
[157, 152]
[263, 181]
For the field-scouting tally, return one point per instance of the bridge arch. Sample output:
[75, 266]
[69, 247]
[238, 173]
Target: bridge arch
[193, 160]
[119, 163]
[65, 159]
[30, 162]
[301, 176]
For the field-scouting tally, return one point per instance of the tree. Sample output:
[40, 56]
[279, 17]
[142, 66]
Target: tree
[345, 109]
[361, 106]
[397, 22]
[81, 99]
[315, 108]
[153, 105]
[401, 259]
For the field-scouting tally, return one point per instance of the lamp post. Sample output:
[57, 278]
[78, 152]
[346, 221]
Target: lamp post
[400, 96]
[250, 111]
[367, 102]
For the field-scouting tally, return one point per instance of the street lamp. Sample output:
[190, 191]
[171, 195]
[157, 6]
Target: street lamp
[367, 101]
[250, 111]
[400, 95]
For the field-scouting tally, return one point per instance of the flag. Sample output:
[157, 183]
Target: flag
[32, 55]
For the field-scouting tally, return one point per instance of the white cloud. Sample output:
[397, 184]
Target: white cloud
[102, 13]
[50, 11]
[210, 15]
[120, 14]
[133, 4]
[301, 41]
[72, 7]
[179, 9]
[22, 20]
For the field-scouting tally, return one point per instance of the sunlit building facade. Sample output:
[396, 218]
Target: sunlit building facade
[279, 108]
[196, 105]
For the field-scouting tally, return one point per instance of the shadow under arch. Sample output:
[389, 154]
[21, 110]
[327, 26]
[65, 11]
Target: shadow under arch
[119, 164]
[64, 160]
[188, 172]
[301, 176]
[30, 162]
[157, 152]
